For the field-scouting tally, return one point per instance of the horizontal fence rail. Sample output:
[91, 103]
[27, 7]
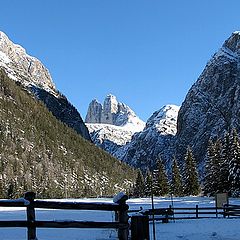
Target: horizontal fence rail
[119, 206]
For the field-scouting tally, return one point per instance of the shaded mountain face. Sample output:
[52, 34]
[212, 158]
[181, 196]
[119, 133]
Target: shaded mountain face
[63, 110]
[155, 141]
[112, 124]
[212, 105]
[32, 74]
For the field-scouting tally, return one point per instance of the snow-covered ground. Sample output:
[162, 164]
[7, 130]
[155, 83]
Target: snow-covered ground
[200, 229]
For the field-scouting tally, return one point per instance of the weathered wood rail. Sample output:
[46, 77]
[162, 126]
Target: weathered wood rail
[119, 206]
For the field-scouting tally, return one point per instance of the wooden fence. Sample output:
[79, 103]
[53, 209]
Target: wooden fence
[231, 210]
[119, 206]
[196, 212]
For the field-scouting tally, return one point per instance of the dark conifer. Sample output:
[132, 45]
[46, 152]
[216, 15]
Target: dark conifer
[139, 187]
[176, 180]
[225, 162]
[160, 180]
[191, 182]
[212, 181]
[148, 184]
[234, 168]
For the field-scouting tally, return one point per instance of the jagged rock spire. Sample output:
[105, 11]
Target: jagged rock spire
[112, 112]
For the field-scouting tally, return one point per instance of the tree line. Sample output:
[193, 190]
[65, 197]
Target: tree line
[222, 171]
[182, 181]
[221, 174]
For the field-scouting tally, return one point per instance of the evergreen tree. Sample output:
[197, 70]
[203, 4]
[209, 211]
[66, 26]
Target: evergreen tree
[148, 184]
[212, 181]
[139, 188]
[234, 167]
[191, 182]
[160, 180]
[225, 162]
[176, 179]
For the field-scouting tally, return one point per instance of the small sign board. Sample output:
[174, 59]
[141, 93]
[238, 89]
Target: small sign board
[221, 199]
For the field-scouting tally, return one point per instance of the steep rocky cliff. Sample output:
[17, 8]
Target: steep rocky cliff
[31, 73]
[212, 105]
[114, 113]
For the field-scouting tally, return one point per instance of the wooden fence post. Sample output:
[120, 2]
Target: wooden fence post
[196, 211]
[30, 196]
[140, 227]
[122, 215]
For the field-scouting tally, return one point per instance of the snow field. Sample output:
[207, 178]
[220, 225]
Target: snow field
[199, 229]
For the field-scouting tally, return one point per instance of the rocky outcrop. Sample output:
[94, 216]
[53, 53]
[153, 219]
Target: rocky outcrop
[155, 141]
[212, 105]
[94, 113]
[114, 113]
[31, 73]
[112, 124]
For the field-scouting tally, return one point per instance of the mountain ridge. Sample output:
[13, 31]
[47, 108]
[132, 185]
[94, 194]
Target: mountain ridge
[32, 74]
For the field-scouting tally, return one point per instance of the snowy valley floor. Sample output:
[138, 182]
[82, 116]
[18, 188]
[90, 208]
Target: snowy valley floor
[200, 229]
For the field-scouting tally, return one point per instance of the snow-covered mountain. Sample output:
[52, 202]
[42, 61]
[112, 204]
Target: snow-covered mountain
[212, 105]
[22, 67]
[114, 113]
[156, 140]
[31, 73]
[112, 124]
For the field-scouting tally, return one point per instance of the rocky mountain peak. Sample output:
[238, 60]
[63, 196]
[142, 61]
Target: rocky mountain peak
[155, 140]
[114, 113]
[110, 110]
[233, 42]
[22, 67]
[164, 120]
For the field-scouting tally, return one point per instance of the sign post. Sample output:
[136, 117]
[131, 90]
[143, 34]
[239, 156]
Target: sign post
[220, 200]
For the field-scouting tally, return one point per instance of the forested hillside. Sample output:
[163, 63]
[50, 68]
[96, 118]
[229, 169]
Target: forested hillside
[39, 153]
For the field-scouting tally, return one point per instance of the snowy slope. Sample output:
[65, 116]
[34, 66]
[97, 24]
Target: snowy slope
[207, 229]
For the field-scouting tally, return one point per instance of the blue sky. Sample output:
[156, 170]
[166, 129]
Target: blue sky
[146, 52]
